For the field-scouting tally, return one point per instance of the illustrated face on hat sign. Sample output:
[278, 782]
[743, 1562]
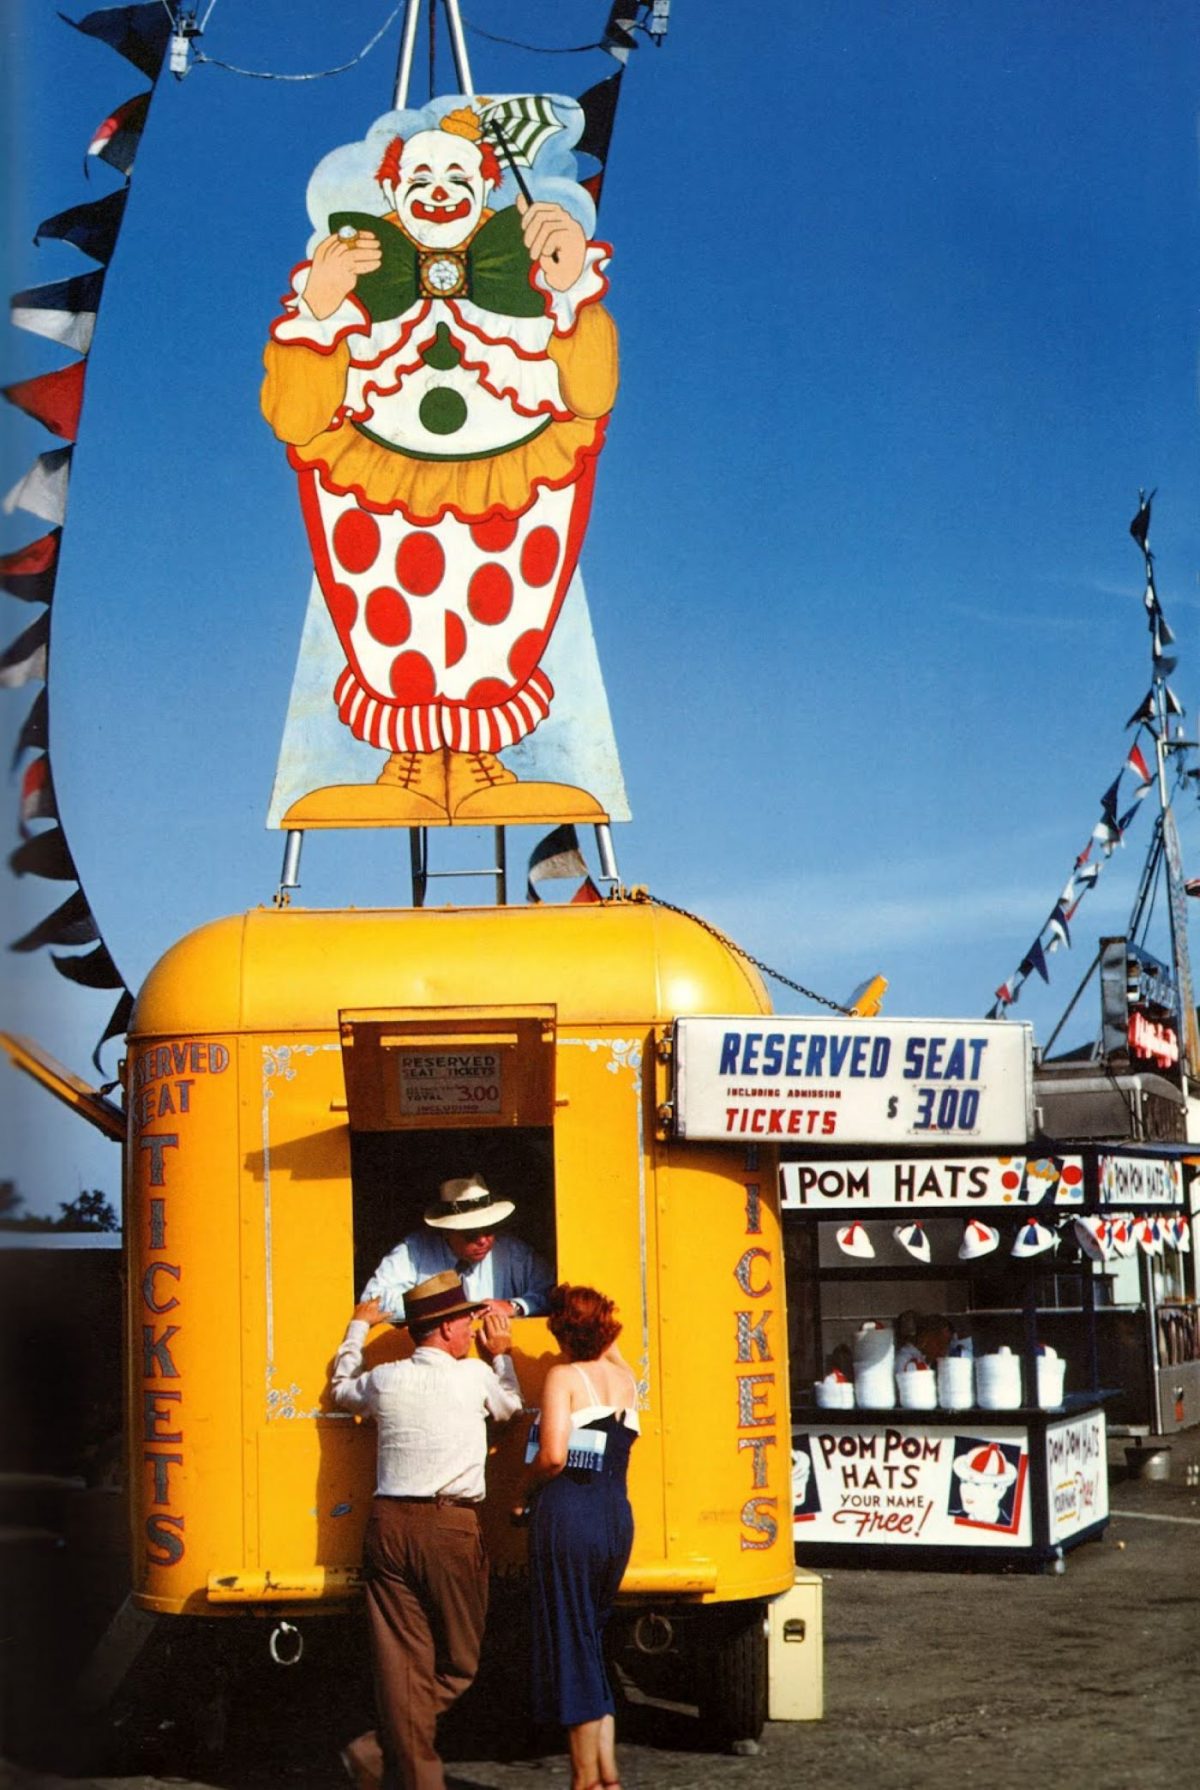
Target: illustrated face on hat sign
[978, 1239]
[985, 1476]
[440, 188]
[853, 1239]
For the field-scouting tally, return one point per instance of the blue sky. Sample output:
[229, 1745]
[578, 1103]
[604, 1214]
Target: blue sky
[906, 299]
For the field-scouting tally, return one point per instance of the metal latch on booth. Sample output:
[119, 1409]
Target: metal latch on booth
[793, 1629]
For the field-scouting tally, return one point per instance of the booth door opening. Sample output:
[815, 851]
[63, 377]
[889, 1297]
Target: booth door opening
[444, 1095]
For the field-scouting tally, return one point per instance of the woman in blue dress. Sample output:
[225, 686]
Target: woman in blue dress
[581, 1527]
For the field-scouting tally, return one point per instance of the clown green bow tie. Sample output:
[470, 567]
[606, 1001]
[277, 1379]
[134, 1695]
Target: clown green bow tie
[497, 263]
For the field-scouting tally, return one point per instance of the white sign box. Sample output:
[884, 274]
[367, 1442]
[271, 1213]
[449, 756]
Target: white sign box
[930, 1184]
[1140, 1181]
[1077, 1474]
[772, 1078]
[911, 1485]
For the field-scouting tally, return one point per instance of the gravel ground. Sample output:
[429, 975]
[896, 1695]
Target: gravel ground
[933, 1681]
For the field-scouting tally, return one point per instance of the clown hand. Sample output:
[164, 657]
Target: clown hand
[336, 265]
[556, 242]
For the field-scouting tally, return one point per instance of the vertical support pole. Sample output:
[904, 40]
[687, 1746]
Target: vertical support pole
[289, 876]
[418, 840]
[604, 847]
[459, 42]
[501, 867]
[408, 39]
[1146, 1264]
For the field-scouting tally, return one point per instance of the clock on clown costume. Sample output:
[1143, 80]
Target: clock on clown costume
[442, 374]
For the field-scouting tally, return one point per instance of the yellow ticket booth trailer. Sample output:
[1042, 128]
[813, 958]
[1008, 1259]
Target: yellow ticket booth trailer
[297, 1084]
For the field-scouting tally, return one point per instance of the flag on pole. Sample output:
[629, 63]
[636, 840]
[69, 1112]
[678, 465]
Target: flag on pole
[1058, 925]
[1139, 528]
[1087, 874]
[599, 105]
[1034, 959]
[1138, 763]
[116, 140]
[63, 311]
[1144, 714]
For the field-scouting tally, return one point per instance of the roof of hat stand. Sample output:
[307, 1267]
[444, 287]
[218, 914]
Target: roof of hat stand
[296, 968]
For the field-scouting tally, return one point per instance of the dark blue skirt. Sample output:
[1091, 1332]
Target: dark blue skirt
[580, 1536]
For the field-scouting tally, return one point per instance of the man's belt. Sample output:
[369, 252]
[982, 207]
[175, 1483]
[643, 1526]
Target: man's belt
[433, 1498]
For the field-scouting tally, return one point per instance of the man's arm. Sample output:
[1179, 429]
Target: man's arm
[351, 1388]
[396, 1275]
[531, 1280]
[502, 1392]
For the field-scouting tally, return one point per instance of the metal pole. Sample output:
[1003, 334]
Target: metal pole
[289, 876]
[608, 859]
[501, 867]
[459, 42]
[408, 39]
[417, 857]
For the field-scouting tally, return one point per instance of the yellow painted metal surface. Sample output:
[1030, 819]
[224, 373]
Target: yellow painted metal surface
[249, 1487]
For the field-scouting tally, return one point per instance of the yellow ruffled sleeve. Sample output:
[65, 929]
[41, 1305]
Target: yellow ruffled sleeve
[302, 389]
[587, 362]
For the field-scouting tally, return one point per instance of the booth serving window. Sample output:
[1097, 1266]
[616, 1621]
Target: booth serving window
[431, 1097]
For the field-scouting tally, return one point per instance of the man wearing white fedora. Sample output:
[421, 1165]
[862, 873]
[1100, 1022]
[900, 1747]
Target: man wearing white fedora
[499, 1272]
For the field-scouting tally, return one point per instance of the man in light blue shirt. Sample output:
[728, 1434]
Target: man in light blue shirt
[461, 1232]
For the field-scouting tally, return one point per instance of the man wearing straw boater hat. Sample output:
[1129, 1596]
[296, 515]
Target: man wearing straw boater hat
[460, 1232]
[424, 1569]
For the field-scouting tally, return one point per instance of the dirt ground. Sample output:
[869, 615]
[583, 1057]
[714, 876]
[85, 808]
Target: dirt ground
[933, 1680]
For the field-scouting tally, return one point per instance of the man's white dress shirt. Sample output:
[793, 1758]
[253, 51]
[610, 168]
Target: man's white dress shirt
[430, 1414]
[510, 1270]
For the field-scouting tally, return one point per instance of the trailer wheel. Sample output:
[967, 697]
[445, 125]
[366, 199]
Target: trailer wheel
[731, 1674]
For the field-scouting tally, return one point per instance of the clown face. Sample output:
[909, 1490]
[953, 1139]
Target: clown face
[440, 189]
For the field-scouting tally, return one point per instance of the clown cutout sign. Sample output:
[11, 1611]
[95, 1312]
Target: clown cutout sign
[442, 375]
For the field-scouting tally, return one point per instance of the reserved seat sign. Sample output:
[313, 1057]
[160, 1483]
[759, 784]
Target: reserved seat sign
[775, 1078]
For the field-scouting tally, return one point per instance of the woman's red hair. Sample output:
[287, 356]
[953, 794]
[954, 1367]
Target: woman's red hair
[582, 1321]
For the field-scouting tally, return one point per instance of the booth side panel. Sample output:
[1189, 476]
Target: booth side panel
[186, 1484]
[312, 1467]
[604, 1197]
[724, 1367]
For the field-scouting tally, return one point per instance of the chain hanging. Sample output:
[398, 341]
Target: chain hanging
[765, 968]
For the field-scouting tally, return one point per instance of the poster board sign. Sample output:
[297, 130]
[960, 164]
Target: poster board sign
[1140, 1181]
[820, 1081]
[453, 1084]
[929, 1185]
[1077, 1474]
[911, 1485]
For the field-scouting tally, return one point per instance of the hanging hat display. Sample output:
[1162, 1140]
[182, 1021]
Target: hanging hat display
[1032, 1239]
[913, 1238]
[1148, 1236]
[1091, 1233]
[1182, 1234]
[977, 1239]
[1123, 1242]
[854, 1239]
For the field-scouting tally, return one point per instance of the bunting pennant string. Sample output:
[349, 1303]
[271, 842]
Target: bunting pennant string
[557, 855]
[139, 33]
[29, 572]
[63, 311]
[71, 924]
[1152, 715]
[52, 399]
[116, 140]
[599, 105]
[24, 662]
[43, 490]
[92, 227]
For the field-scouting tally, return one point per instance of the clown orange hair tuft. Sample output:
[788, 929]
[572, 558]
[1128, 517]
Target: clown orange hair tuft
[388, 171]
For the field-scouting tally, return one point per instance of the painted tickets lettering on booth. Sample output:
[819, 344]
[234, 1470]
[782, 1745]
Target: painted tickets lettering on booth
[442, 375]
